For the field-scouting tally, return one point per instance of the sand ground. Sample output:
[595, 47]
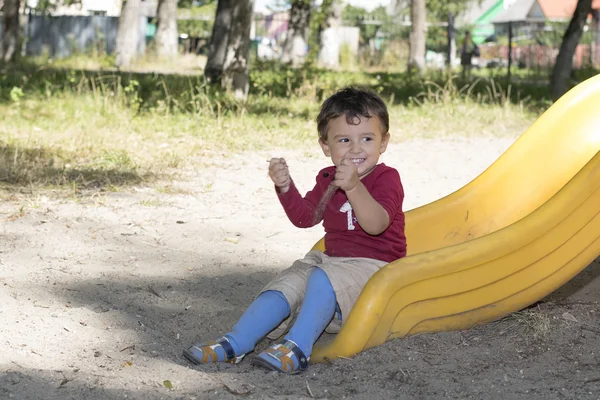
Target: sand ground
[100, 294]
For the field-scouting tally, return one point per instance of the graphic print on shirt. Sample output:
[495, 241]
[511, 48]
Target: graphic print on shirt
[347, 208]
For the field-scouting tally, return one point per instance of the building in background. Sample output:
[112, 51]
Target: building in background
[533, 15]
[480, 16]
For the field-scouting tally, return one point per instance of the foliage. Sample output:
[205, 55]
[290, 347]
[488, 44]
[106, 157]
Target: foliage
[194, 3]
[370, 23]
[378, 25]
[438, 10]
[195, 28]
[282, 5]
[318, 21]
[287, 4]
[46, 6]
[553, 32]
[437, 13]
[198, 11]
[437, 38]
[16, 93]
[88, 130]
[195, 18]
[181, 93]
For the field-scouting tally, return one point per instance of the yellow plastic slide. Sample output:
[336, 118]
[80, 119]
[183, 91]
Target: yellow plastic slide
[517, 232]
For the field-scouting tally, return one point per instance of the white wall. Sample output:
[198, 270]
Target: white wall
[332, 40]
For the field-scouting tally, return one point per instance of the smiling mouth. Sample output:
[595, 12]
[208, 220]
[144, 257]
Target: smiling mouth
[357, 160]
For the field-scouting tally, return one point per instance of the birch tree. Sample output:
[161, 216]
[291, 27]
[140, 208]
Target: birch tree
[418, 36]
[10, 30]
[166, 32]
[230, 46]
[296, 42]
[128, 33]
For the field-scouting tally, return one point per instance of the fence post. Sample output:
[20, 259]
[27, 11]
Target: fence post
[510, 39]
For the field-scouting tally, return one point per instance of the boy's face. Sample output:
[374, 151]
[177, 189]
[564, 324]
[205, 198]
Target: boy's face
[362, 143]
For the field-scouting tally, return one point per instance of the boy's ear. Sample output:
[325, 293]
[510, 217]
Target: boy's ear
[384, 142]
[325, 147]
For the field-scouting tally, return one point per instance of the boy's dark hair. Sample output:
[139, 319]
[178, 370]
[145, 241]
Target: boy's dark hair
[353, 102]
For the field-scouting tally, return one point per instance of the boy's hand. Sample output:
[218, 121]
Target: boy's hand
[346, 175]
[280, 174]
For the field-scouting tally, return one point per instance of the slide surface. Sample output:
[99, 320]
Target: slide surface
[517, 232]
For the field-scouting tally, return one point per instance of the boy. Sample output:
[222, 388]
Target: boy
[360, 204]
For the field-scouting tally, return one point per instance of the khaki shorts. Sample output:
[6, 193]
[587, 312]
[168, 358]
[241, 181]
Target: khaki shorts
[348, 276]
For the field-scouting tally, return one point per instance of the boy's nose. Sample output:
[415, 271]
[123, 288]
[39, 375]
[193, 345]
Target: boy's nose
[355, 147]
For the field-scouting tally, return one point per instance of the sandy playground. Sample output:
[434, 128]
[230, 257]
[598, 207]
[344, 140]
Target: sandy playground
[100, 294]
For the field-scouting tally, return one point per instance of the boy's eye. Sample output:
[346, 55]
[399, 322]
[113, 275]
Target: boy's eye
[344, 140]
[367, 139]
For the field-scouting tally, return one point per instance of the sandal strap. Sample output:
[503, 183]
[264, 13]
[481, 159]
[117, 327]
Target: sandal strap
[302, 359]
[229, 352]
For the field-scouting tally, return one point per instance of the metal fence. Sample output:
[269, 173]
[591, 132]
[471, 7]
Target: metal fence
[377, 44]
[534, 46]
[381, 44]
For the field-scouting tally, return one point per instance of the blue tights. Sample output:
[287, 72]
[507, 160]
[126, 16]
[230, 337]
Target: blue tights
[270, 308]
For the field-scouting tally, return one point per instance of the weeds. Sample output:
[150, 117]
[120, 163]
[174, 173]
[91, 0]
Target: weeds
[170, 189]
[151, 203]
[108, 130]
[535, 322]
[529, 324]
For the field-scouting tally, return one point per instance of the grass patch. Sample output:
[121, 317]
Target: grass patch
[535, 322]
[81, 129]
[170, 189]
[152, 203]
[532, 323]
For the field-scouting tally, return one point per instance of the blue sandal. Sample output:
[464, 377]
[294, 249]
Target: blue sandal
[219, 350]
[284, 357]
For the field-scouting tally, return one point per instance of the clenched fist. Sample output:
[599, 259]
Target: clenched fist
[280, 174]
[346, 175]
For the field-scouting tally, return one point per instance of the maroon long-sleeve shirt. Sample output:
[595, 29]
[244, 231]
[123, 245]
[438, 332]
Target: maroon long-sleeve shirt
[343, 235]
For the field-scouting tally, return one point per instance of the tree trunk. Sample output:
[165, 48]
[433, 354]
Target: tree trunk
[451, 56]
[596, 20]
[128, 33]
[335, 14]
[416, 59]
[217, 48]
[396, 6]
[564, 61]
[166, 32]
[321, 23]
[10, 30]
[296, 42]
[328, 43]
[235, 68]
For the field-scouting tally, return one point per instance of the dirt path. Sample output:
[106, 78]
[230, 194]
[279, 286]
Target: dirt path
[100, 295]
